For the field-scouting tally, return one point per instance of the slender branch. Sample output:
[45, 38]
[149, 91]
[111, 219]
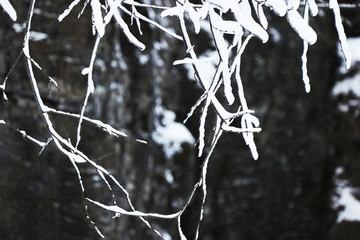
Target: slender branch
[199, 74]
[133, 3]
[27, 136]
[142, 17]
[90, 87]
[341, 5]
[106, 127]
[203, 182]
[305, 76]
[74, 155]
[3, 86]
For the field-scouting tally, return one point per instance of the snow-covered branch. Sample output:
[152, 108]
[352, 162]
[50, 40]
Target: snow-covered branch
[245, 20]
[9, 9]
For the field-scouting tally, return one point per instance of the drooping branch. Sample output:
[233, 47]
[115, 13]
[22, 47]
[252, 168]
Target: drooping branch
[247, 21]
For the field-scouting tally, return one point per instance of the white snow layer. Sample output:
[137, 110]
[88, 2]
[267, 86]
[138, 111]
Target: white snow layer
[301, 27]
[207, 61]
[9, 9]
[166, 236]
[19, 27]
[168, 176]
[351, 211]
[171, 134]
[38, 36]
[349, 84]
[97, 18]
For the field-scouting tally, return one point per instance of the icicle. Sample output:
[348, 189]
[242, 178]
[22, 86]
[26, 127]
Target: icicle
[306, 79]
[249, 121]
[333, 4]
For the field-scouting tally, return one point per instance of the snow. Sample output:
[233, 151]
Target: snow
[293, 4]
[354, 46]
[96, 178]
[85, 71]
[9, 9]
[101, 64]
[208, 60]
[171, 134]
[68, 10]
[262, 17]
[166, 236]
[97, 18]
[223, 66]
[134, 213]
[143, 59]
[305, 77]
[156, 53]
[19, 27]
[352, 103]
[38, 36]
[221, 4]
[348, 85]
[313, 8]
[352, 83]
[274, 34]
[279, 6]
[118, 60]
[351, 205]
[169, 177]
[301, 27]
[122, 24]
[249, 121]
[243, 16]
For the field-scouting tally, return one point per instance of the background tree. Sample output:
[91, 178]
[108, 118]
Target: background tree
[285, 195]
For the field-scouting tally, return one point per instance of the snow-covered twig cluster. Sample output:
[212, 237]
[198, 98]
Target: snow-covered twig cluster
[232, 25]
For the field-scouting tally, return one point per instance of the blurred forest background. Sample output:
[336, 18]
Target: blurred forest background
[307, 143]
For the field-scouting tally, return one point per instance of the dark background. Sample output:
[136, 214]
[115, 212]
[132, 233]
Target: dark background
[286, 194]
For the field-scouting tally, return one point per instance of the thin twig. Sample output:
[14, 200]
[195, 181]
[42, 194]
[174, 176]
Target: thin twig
[90, 88]
[3, 86]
